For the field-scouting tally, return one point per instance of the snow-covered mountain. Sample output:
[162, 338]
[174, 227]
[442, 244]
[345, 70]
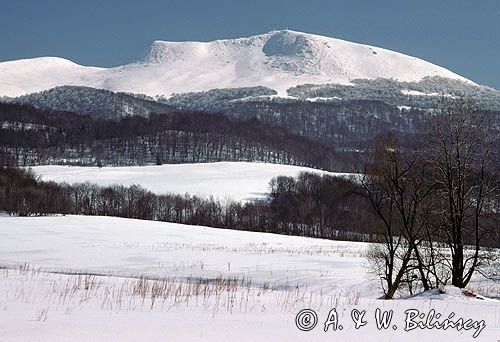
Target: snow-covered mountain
[278, 60]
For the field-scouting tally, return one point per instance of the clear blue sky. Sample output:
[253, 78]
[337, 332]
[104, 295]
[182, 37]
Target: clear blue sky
[462, 35]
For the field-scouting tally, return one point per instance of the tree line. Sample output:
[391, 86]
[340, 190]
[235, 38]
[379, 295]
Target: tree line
[309, 205]
[30, 136]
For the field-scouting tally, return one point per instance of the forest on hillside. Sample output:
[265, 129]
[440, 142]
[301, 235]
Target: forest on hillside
[31, 136]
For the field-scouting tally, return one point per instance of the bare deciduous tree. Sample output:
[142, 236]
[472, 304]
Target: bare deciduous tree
[462, 172]
[394, 181]
[433, 203]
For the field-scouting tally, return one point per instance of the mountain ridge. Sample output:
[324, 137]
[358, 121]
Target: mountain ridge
[278, 60]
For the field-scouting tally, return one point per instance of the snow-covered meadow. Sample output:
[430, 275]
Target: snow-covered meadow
[102, 278]
[240, 181]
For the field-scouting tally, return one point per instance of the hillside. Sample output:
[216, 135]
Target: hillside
[94, 102]
[105, 277]
[278, 60]
[31, 136]
[226, 180]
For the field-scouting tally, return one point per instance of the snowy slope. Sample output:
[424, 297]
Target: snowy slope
[278, 60]
[126, 247]
[236, 180]
[30, 75]
[160, 284]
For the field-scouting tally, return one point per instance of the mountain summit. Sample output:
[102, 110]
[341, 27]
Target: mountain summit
[278, 60]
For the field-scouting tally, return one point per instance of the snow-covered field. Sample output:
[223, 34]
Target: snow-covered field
[239, 181]
[102, 278]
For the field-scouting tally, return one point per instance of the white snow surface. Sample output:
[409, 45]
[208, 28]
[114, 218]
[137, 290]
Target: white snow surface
[240, 181]
[277, 59]
[129, 248]
[157, 281]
